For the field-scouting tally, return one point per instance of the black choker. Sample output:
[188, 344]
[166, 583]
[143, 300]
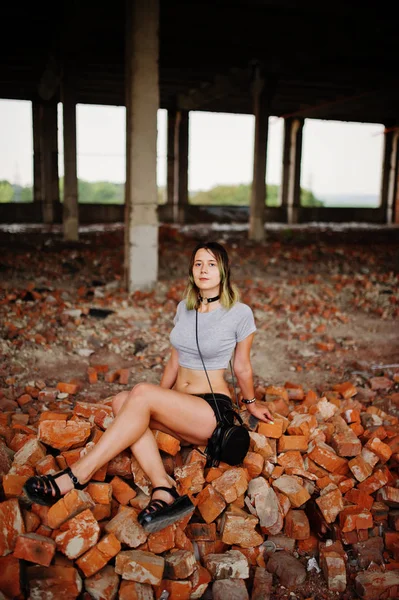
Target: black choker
[207, 300]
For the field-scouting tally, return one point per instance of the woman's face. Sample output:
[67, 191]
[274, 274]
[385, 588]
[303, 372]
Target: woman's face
[206, 272]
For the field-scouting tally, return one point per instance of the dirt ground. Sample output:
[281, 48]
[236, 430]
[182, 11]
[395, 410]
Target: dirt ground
[326, 304]
[325, 299]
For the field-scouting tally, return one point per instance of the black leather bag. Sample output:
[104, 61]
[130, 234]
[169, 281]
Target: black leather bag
[228, 443]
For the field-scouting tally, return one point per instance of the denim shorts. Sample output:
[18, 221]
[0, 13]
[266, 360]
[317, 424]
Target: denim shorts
[224, 403]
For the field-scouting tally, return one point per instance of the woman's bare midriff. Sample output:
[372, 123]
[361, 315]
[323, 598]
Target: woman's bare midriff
[194, 382]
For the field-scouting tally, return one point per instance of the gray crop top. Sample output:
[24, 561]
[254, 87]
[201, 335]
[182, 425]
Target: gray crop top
[218, 333]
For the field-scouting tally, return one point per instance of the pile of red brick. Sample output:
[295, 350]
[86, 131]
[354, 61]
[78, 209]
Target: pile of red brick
[319, 483]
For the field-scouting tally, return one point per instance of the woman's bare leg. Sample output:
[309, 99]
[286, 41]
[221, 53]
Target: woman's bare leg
[191, 417]
[146, 452]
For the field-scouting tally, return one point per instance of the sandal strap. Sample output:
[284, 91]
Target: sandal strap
[154, 506]
[171, 490]
[75, 480]
[50, 480]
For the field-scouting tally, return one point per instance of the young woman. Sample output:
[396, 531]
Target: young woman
[182, 404]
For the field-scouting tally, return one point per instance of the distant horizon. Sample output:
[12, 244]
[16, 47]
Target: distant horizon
[337, 157]
[329, 199]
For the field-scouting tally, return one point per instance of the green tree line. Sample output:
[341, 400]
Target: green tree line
[106, 192]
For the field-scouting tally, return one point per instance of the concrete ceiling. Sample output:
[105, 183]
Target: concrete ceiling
[330, 60]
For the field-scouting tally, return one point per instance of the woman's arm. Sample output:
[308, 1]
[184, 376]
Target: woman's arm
[243, 370]
[170, 373]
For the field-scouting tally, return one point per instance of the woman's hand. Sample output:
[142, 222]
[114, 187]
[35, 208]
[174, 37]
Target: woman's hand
[260, 412]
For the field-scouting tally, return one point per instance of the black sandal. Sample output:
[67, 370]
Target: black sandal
[159, 514]
[40, 489]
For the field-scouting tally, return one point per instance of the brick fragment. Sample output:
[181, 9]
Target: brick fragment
[353, 517]
[143, 567]
[81, 533]
[346, 443]
[180, 590]
[131, 590]
[199, 582]
[103, 585]
[35, 548]
[253, 462]
[373, 483]
[10, 576]
[12, 485]
[296, 525]
[167, 443]
[261, 445]
[389, 495]
[31, 453]
[210, 503]
[162, 541]
[346, 389]
[382, 450]
[291, 459]
[68, 388]
[290, 486]
[373, 585]
[201, 531]
[179, 564]
[190, 478]
[293, 442]
[271, 430]
[122, 491]
[12, 525]
[234, 589]
[231, 564]
[330, 505]
[359, 498]
[262, 584]
[231, 484]
[92, 375]
[5, 458]
[97, 557]
[126, 528]
[267, 505]
[101, 493]
[237, 527]
[324, 455]
[46, 465]
[287, 568]
[54, 582]
[70, 505]
[64, 435]
[302, 425]
[369, 551]
[332, 563]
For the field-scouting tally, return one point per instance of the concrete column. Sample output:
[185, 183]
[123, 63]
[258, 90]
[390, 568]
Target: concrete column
[45, 158]
[38, 191]
[70, 207]
[387, 167]
[258, 193]
[290, 191]
[182, 163]
[392, 215]
[142, 102]
[172, 175]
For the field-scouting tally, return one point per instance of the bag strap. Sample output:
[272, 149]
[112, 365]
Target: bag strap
[220, 419]
[233, 379]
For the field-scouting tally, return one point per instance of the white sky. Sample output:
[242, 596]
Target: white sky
[337, 158]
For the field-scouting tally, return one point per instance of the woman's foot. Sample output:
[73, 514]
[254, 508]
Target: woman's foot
[165, 507]
[48, 489]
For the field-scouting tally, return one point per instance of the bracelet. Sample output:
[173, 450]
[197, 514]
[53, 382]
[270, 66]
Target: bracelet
[245, 401]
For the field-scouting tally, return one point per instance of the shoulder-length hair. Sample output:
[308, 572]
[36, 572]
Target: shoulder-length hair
[228, 292]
